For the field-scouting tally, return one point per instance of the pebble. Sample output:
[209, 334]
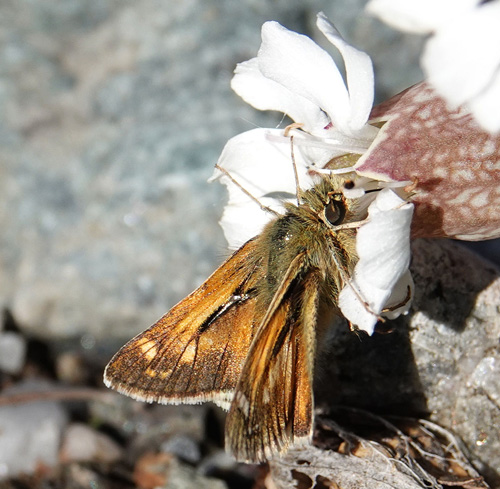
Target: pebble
[164, 470]
[84, 444]
[30, 433]
[12, 352]
[184, 447]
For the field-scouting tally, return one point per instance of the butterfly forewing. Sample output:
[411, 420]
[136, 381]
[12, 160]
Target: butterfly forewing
[195, 353]
[246, 338]
[273, 402]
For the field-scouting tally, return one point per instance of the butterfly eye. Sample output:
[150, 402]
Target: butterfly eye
[335, 212]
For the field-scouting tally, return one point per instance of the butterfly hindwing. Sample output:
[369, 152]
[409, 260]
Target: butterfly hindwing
[194, 353]
[273, 402]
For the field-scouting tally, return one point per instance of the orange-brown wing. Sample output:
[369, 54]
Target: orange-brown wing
[195, 352]
[273, 403]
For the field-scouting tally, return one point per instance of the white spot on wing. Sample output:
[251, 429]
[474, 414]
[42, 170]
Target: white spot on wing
[242, 402]
[149, 349]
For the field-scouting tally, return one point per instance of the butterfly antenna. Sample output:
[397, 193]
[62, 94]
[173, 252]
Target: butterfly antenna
[246, 192]
[288, 129]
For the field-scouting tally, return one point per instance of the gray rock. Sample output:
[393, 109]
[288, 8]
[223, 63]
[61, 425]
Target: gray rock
[405, 455]
[442, 361]
[455, 341]
[112, 115]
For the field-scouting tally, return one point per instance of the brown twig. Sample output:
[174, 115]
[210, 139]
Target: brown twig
[68, 394]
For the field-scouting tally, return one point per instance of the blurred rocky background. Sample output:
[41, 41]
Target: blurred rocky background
[112, 116]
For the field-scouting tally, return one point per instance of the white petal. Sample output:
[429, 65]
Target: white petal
[300, 65]
[383, 243]
[316, 152]
[260, 161]
[486, 106]
[461, 59]
[241, 222]
[400, 297]
[265, 94]
[383, 247]
[359, 71]
[419, 16]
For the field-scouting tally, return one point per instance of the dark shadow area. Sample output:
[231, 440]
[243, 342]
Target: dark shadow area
[489, 249]
[376, 373]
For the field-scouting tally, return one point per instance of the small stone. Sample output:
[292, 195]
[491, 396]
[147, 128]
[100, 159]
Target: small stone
[78, 477]
[84, 444]
[152, 469]
[184, 447]
[163, 470]
[30, 433]
[71, 369]
[12, 352]
[218, 461]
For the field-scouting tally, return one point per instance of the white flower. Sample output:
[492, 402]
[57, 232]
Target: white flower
[381, 278]
[462, 57]
[292, 74]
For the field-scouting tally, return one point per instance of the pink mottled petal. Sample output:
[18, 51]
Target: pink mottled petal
[454, 161]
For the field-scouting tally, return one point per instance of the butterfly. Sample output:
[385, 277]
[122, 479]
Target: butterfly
[246, 339]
